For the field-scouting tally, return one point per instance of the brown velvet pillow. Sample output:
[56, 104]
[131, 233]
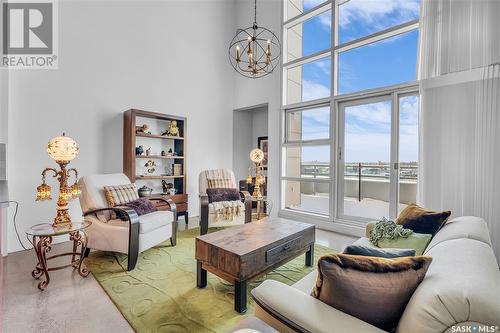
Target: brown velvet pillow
[422, 221]
[375, 290]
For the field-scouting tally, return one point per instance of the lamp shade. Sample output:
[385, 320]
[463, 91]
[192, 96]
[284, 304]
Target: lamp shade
[256, 155]
[62, 148]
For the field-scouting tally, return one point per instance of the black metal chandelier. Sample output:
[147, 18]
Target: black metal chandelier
[255, 51]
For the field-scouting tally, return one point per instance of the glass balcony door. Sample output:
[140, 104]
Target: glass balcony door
[365, 159]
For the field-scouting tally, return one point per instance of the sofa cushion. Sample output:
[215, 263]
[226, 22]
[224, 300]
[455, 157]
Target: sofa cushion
[155, 220]
[370, 251]
[461, 285]
[422, 221]
[375, 290]
[462, 227]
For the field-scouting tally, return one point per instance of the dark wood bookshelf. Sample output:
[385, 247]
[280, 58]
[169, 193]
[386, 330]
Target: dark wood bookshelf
[179, 144]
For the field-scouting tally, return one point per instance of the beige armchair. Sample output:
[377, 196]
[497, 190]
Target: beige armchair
[209, 217]
[133, 236]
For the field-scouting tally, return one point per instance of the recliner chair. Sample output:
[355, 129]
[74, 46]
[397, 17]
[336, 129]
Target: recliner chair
[208, 216]
[133, 236]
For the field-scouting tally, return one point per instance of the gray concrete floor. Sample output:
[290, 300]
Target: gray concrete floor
[72, 303]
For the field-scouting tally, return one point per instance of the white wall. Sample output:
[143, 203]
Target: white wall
[242, 142]
[166, 57]
[249, 92]
[259, 124]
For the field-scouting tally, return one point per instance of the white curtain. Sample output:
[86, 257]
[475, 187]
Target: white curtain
[460, 105]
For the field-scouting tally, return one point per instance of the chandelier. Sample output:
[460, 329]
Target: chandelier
[255, 51]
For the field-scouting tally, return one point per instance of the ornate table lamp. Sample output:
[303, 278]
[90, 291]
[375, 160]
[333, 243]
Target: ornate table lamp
[257, 156]
[62, 149]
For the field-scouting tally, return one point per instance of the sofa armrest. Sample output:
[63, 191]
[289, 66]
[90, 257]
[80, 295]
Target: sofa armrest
[304, 313]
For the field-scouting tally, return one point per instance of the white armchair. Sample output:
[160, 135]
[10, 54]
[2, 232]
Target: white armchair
[133, 236]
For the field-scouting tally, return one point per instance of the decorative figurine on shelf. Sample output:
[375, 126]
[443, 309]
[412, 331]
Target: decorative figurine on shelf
[150, 167]
[172, 130]
[148, 151]
[145, 192]
[166, 186]
[172, 191]
[170, 153]
[139, 150]
[163, 153]
[63, 150]
[144, 129]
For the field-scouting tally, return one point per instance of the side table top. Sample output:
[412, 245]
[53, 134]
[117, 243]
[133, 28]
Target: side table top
[246, 238]
[46, 229]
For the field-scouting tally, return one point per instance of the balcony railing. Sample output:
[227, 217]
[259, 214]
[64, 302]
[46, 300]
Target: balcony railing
[407, 171]
[371, 179]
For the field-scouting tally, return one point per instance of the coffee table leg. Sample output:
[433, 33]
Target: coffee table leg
[240, 296]
[310, 256]
[201, 275]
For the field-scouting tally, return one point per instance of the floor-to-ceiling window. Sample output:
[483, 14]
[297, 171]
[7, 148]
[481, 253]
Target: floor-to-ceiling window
[350, 108]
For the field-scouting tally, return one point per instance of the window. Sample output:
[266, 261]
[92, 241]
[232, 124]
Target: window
[309, 81]
[349, 73]
[383, 63]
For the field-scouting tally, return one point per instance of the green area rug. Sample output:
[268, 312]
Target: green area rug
[160, 294]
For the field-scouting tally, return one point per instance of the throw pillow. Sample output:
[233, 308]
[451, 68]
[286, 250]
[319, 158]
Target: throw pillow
[120, 194]
[422, 221]
[375, 252]
[375, 290]
[220, 183]
[223, 194]
[415, 241]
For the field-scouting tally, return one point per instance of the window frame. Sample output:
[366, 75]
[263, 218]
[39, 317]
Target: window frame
[395, 91]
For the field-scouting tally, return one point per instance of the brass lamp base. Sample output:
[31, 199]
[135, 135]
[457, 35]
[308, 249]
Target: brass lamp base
[62, 218]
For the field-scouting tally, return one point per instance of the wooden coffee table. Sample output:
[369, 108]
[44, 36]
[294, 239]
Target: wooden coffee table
[243, 252]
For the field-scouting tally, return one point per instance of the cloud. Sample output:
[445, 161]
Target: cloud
[308, 4]
[372, 114]
[326, 20]
[379, 14]
[312, 90]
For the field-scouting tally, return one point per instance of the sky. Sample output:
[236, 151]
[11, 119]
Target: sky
[384, 63]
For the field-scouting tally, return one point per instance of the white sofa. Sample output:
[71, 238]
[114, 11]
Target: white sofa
[461, 287]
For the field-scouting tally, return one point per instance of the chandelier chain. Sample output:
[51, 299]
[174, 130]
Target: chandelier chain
[255, 12]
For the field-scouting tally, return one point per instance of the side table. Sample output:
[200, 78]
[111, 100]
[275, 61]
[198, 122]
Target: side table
[42, 242]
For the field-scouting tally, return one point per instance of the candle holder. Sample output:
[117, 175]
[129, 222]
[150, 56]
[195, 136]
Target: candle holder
[63, 150]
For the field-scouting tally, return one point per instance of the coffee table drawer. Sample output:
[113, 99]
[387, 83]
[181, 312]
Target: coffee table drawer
[276, 253]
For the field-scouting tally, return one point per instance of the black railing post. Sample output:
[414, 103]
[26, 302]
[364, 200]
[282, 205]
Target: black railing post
[359, 182]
